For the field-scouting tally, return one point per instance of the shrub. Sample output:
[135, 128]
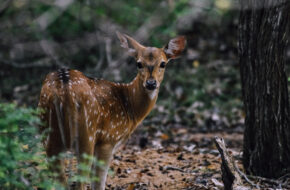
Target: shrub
[23, 164]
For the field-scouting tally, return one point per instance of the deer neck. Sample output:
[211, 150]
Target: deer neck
[141, 100]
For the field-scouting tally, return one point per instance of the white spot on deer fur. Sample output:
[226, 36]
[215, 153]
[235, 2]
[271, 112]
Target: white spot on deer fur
[152, 94]
[87, 122]
[134, 90]
[119, 137]
[90, 123]
[88, 102]
[86, 116]
[98, 131]
[91, 138]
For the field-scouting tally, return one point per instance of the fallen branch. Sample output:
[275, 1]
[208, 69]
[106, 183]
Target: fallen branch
[247, 179]
[277, 183]
[230, 175]
[173, 168]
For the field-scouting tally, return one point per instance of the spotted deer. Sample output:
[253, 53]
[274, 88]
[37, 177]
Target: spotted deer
[95, 116]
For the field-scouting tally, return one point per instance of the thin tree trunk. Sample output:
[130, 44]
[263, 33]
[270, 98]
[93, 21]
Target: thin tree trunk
[263, 29]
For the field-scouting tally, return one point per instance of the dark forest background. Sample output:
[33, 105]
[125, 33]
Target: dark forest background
[201, 90]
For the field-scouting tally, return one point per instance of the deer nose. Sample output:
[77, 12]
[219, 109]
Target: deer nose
[151, 84]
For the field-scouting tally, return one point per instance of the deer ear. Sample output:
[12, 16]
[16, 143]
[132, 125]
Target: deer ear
[132, 47]
[175, 47]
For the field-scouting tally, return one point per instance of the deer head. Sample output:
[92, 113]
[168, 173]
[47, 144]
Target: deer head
[151, 61]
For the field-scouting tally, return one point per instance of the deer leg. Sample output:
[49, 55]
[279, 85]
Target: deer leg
[102, 152]
[87, 148]
[54, 147]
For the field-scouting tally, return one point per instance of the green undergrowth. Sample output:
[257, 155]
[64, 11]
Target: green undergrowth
[23, 163]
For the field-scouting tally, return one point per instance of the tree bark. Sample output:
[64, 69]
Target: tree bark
[263, 33]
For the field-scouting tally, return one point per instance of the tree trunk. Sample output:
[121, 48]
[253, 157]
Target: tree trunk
[263, 33]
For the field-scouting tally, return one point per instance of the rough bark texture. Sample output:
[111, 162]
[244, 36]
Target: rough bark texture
[263, 29]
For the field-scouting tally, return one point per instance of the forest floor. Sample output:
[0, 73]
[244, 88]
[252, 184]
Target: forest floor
[190, 160]
[181, 158]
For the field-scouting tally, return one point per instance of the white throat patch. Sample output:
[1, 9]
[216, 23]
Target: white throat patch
[152, 93]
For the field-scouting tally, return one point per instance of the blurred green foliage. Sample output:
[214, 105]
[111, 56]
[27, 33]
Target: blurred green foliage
[89, 175]
[23, 164]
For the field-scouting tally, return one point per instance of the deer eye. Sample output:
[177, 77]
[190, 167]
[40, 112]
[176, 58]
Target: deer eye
[139, 65]
[162, 64]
